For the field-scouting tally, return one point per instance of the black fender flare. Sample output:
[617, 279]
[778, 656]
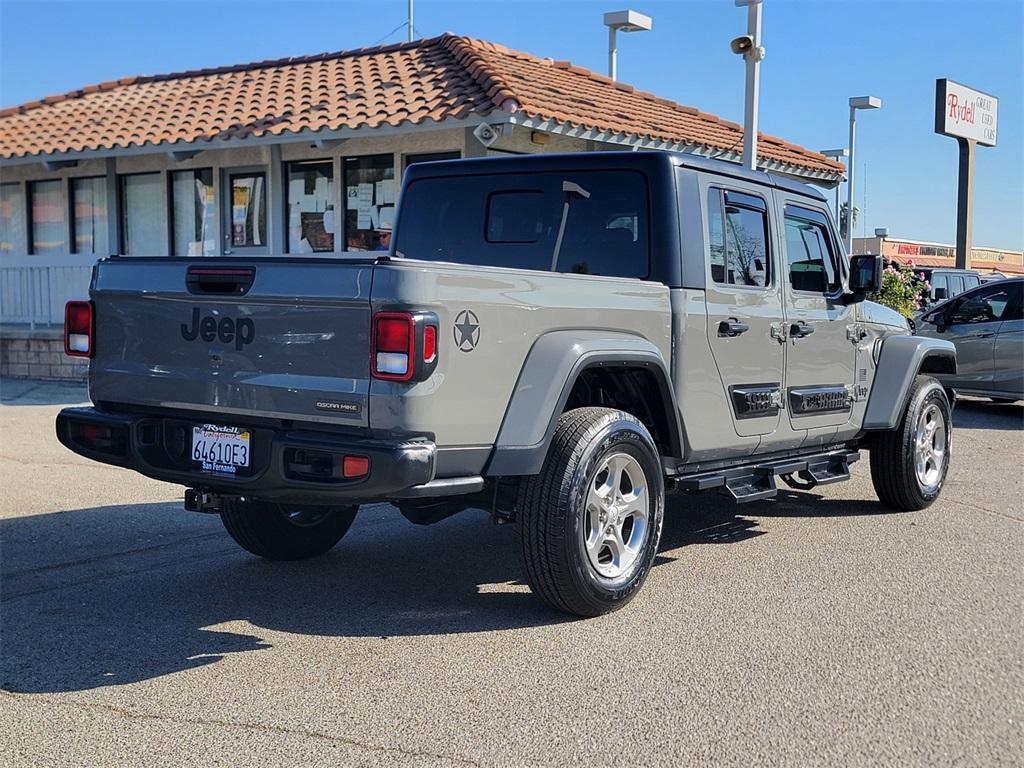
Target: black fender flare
[901, 359]
[549, 373]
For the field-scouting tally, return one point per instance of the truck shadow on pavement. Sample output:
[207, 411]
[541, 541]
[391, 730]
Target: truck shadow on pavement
[982, 414]
[120, 594]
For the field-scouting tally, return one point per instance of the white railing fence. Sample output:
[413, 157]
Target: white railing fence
[36, 296]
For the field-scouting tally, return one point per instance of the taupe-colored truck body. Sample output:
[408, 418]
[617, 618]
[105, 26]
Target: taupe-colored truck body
[713, 305]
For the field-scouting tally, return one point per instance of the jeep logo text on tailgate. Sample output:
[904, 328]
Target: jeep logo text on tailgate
[241, 331]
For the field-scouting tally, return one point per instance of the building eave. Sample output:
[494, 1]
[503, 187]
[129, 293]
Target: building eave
[292, 137]
[635, 141]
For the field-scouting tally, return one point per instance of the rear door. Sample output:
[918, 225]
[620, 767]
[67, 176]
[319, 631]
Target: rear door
[1008, 355]
[821, 349]
[744, 305]
[277, 339]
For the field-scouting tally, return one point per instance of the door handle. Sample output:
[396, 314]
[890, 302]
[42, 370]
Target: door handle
[985, 334]
[800, 329]
[732, 327]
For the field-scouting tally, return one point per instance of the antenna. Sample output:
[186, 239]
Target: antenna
[410, 24]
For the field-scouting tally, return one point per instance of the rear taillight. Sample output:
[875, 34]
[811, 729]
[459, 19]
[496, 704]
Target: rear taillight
[404, 346]
[79, 328]
[394, 340]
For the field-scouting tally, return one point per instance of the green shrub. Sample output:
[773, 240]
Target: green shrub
[902, 290]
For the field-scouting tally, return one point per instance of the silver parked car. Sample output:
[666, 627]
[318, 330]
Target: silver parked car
[986, 324]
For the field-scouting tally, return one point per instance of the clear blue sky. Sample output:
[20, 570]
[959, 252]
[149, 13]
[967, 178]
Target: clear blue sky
[819, 53]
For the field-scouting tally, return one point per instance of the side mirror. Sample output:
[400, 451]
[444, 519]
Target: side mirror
[865, 275]
[941, 294]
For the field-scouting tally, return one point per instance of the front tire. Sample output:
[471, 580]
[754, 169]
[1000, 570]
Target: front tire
[285, 532]
[590, 522]
[909, 464]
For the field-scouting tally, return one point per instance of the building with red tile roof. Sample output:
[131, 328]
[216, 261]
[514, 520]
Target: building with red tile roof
[424, 83]
[291, 156]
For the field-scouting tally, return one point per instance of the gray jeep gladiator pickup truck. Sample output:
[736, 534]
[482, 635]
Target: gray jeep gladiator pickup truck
[559, 339]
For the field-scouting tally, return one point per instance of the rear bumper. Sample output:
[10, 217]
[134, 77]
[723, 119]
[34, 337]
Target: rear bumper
[155, 447]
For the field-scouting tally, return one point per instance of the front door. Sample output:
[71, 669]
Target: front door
[245, 212]
[972, 322]
[821, 331]
[744, 306]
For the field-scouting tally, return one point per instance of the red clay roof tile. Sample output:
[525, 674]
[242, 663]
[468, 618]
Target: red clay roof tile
[425, 80]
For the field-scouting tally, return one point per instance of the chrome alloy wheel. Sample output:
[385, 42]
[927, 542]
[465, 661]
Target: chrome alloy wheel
[616, 516]
[305, 517]
[930, 446]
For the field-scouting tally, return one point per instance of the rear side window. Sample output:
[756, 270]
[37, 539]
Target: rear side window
[738, 239]
[956, 285]
[971, 281]
[810, 252]
[585, 222]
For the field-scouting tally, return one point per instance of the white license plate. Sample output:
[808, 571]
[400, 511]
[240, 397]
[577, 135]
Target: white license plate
[220, 449]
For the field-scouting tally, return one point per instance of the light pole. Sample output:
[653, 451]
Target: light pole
[837, 155]
[622, 21]
[749, 46]
[856, 102]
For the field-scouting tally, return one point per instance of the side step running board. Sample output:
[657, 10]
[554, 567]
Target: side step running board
[753, 482]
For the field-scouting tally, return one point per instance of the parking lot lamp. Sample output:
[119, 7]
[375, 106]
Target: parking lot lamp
[837, 155]
[622, 21]
[856, 102]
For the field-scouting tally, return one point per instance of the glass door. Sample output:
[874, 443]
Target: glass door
[245, 212]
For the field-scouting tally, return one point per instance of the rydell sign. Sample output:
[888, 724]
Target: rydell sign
[965, 113]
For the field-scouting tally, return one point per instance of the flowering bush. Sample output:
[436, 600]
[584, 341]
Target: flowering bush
[902, 290]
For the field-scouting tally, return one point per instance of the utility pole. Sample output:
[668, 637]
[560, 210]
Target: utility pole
[749, 46]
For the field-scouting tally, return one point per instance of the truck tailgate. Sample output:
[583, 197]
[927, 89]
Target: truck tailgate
[294, 344]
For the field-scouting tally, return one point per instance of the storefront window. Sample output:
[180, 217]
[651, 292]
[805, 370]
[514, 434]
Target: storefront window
[12, 219]
[248, 210]
[193, 213]
[142, 217]
[89, 224]
[310, 207]
[47, 217]
[369, 202]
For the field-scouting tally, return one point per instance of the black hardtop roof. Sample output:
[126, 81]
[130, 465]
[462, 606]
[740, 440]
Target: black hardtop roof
[640, 160]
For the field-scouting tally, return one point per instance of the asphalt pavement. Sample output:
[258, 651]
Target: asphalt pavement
[813, 629]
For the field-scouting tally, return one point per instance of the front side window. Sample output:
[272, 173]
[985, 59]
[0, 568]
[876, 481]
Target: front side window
[248, 210]
[142, 214]
[370, 197]
[810, 253]
[582, 222]
[47, 203]
[12, 219]
[737, 239]
[89, 222]
[193, 213]
[939, 281]
[986, 305]
[311, 222]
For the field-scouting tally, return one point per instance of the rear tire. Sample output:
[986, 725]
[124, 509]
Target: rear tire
[909, 464]
[590, 522]
[285, 532]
